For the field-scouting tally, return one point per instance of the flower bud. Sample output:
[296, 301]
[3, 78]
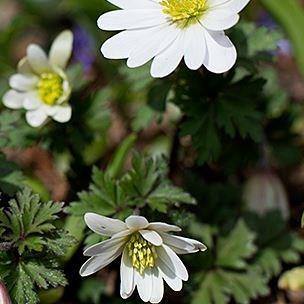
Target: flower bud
[264, 191]
[4, 297]
[292, 282]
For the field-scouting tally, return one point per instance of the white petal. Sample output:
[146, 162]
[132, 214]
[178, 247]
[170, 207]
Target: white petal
[104, 225]
[198, 245]
[167, 61]
[32, 101]
[195, 47]
[38, 59]
[134, 4]
[63, 114]
[177, 242]
[154, 41]
[61, 49]
[127, 283]
[97, 249]
[157, 287]
[221, 53]
[36, 118]
[23, 83]
[219, 19]
[144, 284]
[130, 19]
[152, 237]
[50, 110]
[173, 281]
[169, 257]
[182, 245]
[13, 99]
[163, 227]
[234, 5]
[24, 66]
[136, 222]
[96, 263]
[121, 45]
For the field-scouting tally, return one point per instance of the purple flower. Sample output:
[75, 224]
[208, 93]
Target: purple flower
[83, 48]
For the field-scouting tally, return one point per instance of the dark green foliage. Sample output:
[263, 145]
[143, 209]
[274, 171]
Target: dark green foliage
[14, 132]
[144, 185]
[32, 246]
[277, 244]
[256, 43]
[245, 259]
[91, 291]
[210, 120]
[225, 128]
[10, 176]
[147, 184]
[230, 268]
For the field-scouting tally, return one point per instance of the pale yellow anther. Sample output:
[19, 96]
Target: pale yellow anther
[141, 252]
[184, 12]
[50, 88]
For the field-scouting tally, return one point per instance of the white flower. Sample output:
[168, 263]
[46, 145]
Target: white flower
[169, 30]
[149, 254]
[41, 85]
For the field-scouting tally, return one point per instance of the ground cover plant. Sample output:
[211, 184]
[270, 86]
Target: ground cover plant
[151, 151]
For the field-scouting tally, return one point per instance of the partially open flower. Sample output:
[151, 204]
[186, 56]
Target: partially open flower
[4, 297]
[41, 85]
[169, 30]
[264, 191]
[149, 254]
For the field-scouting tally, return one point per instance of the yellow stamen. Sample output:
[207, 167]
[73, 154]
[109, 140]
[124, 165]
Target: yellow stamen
[50, 88]
[184, 12]
[141, 252]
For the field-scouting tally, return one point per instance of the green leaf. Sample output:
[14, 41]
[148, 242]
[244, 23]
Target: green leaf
[146, 184]
[23, 289]
[166, 195]
[259, 39]
[14, 131]
[231, 276]
[44, 277]
[218, 112]
[104, 196]
[11, 178]
[220, 285]
[91, 291]
[234, 249]
[34, 244]
[158, 94]
[277, 245]
[27, 219]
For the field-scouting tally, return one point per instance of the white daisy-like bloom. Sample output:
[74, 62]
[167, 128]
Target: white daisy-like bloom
[41, 85]
[149, 254]
[169, 30]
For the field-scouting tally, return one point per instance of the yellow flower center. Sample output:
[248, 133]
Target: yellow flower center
[50, 88]
[141, 252]
[184, 12]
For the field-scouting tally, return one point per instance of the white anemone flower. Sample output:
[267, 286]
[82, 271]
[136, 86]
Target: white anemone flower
[41, 85]
[170, 30]
[149, 254]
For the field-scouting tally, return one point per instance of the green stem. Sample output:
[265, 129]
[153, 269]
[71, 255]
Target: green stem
[115, 167]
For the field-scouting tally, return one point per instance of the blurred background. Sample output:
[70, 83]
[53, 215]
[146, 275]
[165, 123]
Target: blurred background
[245, 167]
